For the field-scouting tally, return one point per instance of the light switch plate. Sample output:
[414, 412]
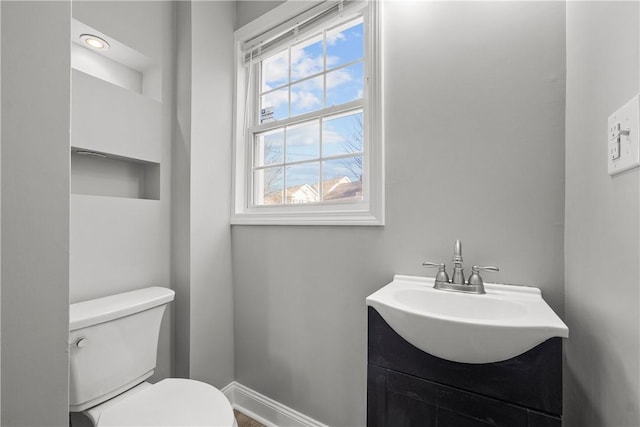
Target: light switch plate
[623, 138]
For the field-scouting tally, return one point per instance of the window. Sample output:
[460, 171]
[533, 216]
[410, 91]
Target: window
[308, 134]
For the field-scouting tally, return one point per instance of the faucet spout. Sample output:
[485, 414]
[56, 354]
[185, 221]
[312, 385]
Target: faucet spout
[457, 251]
[458, 273]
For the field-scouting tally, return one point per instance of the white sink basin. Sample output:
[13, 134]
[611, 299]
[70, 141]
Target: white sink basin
[468, 328]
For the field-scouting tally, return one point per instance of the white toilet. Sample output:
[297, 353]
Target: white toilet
[112, 344]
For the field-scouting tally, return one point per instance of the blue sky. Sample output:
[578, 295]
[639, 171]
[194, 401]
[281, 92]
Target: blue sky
[340, 134]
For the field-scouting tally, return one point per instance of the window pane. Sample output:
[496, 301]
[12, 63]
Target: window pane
[275, 71]
[342, 179]
[274, 106]
[269, 148]
[268, 185]
[342, 134]
[345, 84]
[345, 43]
[302, 183]
[306, 96]
[307, 58]
[303, 141]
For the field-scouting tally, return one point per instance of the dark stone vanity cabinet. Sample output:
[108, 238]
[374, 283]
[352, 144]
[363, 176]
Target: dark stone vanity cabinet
[408, 387]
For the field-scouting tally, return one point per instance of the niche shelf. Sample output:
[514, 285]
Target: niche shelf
[103, 174]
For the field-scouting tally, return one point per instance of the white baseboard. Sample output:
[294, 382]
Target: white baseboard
[265, 410]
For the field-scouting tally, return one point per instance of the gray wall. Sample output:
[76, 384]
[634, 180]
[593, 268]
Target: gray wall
[0, 215]
[181, 192]
[248, 10]
[211, 356]
[35, 213]
[203, 173]
[474, 151]
[602, 240]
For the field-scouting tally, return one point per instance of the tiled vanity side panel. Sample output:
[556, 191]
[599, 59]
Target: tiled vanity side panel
[532, 380]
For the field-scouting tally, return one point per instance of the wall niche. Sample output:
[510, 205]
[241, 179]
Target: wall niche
[102, 174]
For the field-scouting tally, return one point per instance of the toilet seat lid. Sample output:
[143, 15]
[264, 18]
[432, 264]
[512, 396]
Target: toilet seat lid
[171, 402]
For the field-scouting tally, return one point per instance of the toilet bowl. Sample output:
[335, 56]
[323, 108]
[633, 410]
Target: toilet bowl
[113, 344]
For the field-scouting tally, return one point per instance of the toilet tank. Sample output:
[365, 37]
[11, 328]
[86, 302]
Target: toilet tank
[113, 344]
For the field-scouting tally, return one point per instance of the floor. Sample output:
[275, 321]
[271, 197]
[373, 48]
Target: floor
[244, 421]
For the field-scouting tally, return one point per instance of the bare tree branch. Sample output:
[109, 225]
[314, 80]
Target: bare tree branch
[353, 144]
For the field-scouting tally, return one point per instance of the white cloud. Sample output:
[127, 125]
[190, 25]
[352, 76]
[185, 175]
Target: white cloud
[275, 70]
[337, 78]
[332, 60]
[332, 39]
[330, 136]
[303, 135]
[304, 64]
[304, 100]
[276, 99]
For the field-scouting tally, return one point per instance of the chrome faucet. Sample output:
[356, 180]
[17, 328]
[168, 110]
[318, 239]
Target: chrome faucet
[475, 284]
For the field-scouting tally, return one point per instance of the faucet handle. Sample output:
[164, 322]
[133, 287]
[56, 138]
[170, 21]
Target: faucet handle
[433, 264]
[487, 268]
[475, 278]
[442, 275]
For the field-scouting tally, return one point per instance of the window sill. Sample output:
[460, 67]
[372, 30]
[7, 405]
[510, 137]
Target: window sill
[328, 218]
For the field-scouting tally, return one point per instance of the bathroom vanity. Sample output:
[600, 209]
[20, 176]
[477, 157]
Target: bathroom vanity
[407, 386]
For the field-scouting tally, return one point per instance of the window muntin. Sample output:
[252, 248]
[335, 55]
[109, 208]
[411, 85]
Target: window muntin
[321, 71]
[320, 157]
[314, 161]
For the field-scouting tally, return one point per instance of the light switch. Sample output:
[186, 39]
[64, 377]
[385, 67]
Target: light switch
[623, 137]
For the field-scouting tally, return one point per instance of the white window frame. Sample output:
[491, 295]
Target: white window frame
[369, 211]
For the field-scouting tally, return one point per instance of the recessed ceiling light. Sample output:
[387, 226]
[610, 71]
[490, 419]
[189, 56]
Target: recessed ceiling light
[94, 42]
